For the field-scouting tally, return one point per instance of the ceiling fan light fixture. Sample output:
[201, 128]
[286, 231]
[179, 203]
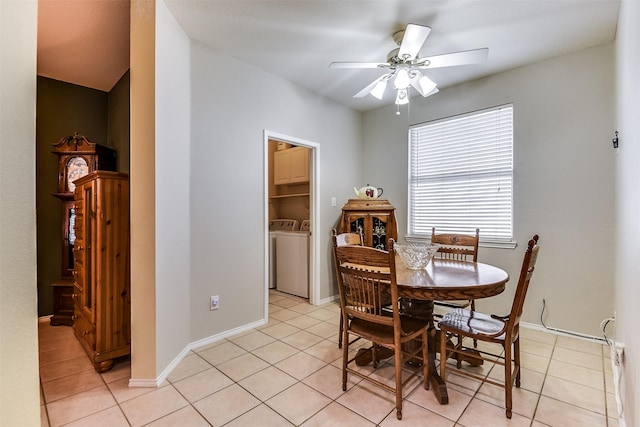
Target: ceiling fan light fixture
[402, 97]
[403, 65]
[426, 85]
[434, 91]
[379, 88]
[402, 80]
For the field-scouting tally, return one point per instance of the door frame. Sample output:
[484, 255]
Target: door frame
[314, 216]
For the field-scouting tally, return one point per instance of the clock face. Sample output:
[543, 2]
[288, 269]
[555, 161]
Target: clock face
[76, 168]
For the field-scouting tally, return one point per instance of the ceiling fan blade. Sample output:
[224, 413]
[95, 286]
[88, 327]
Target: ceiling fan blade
[467, 57]
[371, 86]
[358, 65]
[412, 41]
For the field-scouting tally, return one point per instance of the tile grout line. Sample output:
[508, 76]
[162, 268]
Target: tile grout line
[325, 322]
[298, 381]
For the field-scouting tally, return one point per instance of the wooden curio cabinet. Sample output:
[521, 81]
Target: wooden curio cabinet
[102, 297]
[77, 156]
[375, 217]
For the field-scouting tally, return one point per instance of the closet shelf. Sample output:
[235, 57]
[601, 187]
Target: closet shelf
[283, 196]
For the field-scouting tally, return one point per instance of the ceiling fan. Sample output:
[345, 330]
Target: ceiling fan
[405, 67]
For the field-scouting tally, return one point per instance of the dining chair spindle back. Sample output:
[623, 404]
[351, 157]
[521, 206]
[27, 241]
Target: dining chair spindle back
[461, 247]
[343, 239]
[366, 278]
[503, 330]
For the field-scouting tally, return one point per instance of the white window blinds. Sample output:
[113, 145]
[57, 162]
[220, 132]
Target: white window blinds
[461, 175]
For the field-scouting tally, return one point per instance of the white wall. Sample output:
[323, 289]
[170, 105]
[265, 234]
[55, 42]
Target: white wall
[232, 104]
[173, 188]
[19, 382]
[627, 291]
[564, 178]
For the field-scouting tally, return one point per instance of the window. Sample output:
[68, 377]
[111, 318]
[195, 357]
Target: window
[461, 175]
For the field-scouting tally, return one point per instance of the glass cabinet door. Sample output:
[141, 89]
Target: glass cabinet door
[379, 232]
[374, 229]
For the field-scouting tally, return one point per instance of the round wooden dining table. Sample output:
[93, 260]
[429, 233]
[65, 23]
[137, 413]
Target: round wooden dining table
[445, 280]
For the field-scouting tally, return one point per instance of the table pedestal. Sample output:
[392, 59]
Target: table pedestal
[423, 309]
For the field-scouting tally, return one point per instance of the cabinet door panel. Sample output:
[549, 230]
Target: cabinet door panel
[299, 164]
[281, 167]
[379, 227]
[102, 301]
[356, 224]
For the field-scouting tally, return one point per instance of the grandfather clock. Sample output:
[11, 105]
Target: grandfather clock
[77, 157]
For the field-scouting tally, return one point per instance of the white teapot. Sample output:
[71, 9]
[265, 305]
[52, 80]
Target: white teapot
[368, 192]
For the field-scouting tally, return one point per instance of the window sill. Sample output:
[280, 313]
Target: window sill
[482, 244]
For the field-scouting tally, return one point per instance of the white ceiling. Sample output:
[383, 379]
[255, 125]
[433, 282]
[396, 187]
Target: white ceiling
[298, 39]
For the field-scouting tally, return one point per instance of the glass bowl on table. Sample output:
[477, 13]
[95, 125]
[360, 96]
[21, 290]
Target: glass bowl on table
[416, 256]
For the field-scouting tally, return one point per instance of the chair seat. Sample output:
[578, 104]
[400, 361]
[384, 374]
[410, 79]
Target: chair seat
[383, 334]
[471, 323]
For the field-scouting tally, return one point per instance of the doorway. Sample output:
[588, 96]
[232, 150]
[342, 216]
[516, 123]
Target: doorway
[292, 195]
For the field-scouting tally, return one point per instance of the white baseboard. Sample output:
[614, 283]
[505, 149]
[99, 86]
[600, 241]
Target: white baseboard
[155, 382]
[561, 332]
[330, 299]
[152, 383]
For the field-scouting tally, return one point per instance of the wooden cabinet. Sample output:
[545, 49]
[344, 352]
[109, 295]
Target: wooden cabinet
[376, 218]
[62, 302]
[102, 297]
[291, 166]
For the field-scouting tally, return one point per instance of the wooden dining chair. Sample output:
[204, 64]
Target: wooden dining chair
[348, 238]
[503, 330]
[343, 239]
[462, 247]
[365, 276]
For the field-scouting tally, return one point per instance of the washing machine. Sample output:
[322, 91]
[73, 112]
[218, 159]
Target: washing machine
[292, 261]
[276, 225]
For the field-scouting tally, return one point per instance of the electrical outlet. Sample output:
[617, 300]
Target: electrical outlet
[214, 303]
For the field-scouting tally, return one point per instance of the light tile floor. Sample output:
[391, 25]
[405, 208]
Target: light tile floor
[288, 372]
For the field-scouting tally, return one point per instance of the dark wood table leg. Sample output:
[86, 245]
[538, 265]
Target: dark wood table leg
[435, 381]
[422, 309]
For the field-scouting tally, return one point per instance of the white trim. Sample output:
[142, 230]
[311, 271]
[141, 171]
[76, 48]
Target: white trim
[563, 333]
[314, 204]
[213, 338]
[498, 245]
[144, 383]
[485, 244]
[171, 366]
[192, 346]
[329, 300]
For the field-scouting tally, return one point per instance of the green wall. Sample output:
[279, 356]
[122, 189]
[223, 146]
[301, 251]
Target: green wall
[62, 109]
[118, 121]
